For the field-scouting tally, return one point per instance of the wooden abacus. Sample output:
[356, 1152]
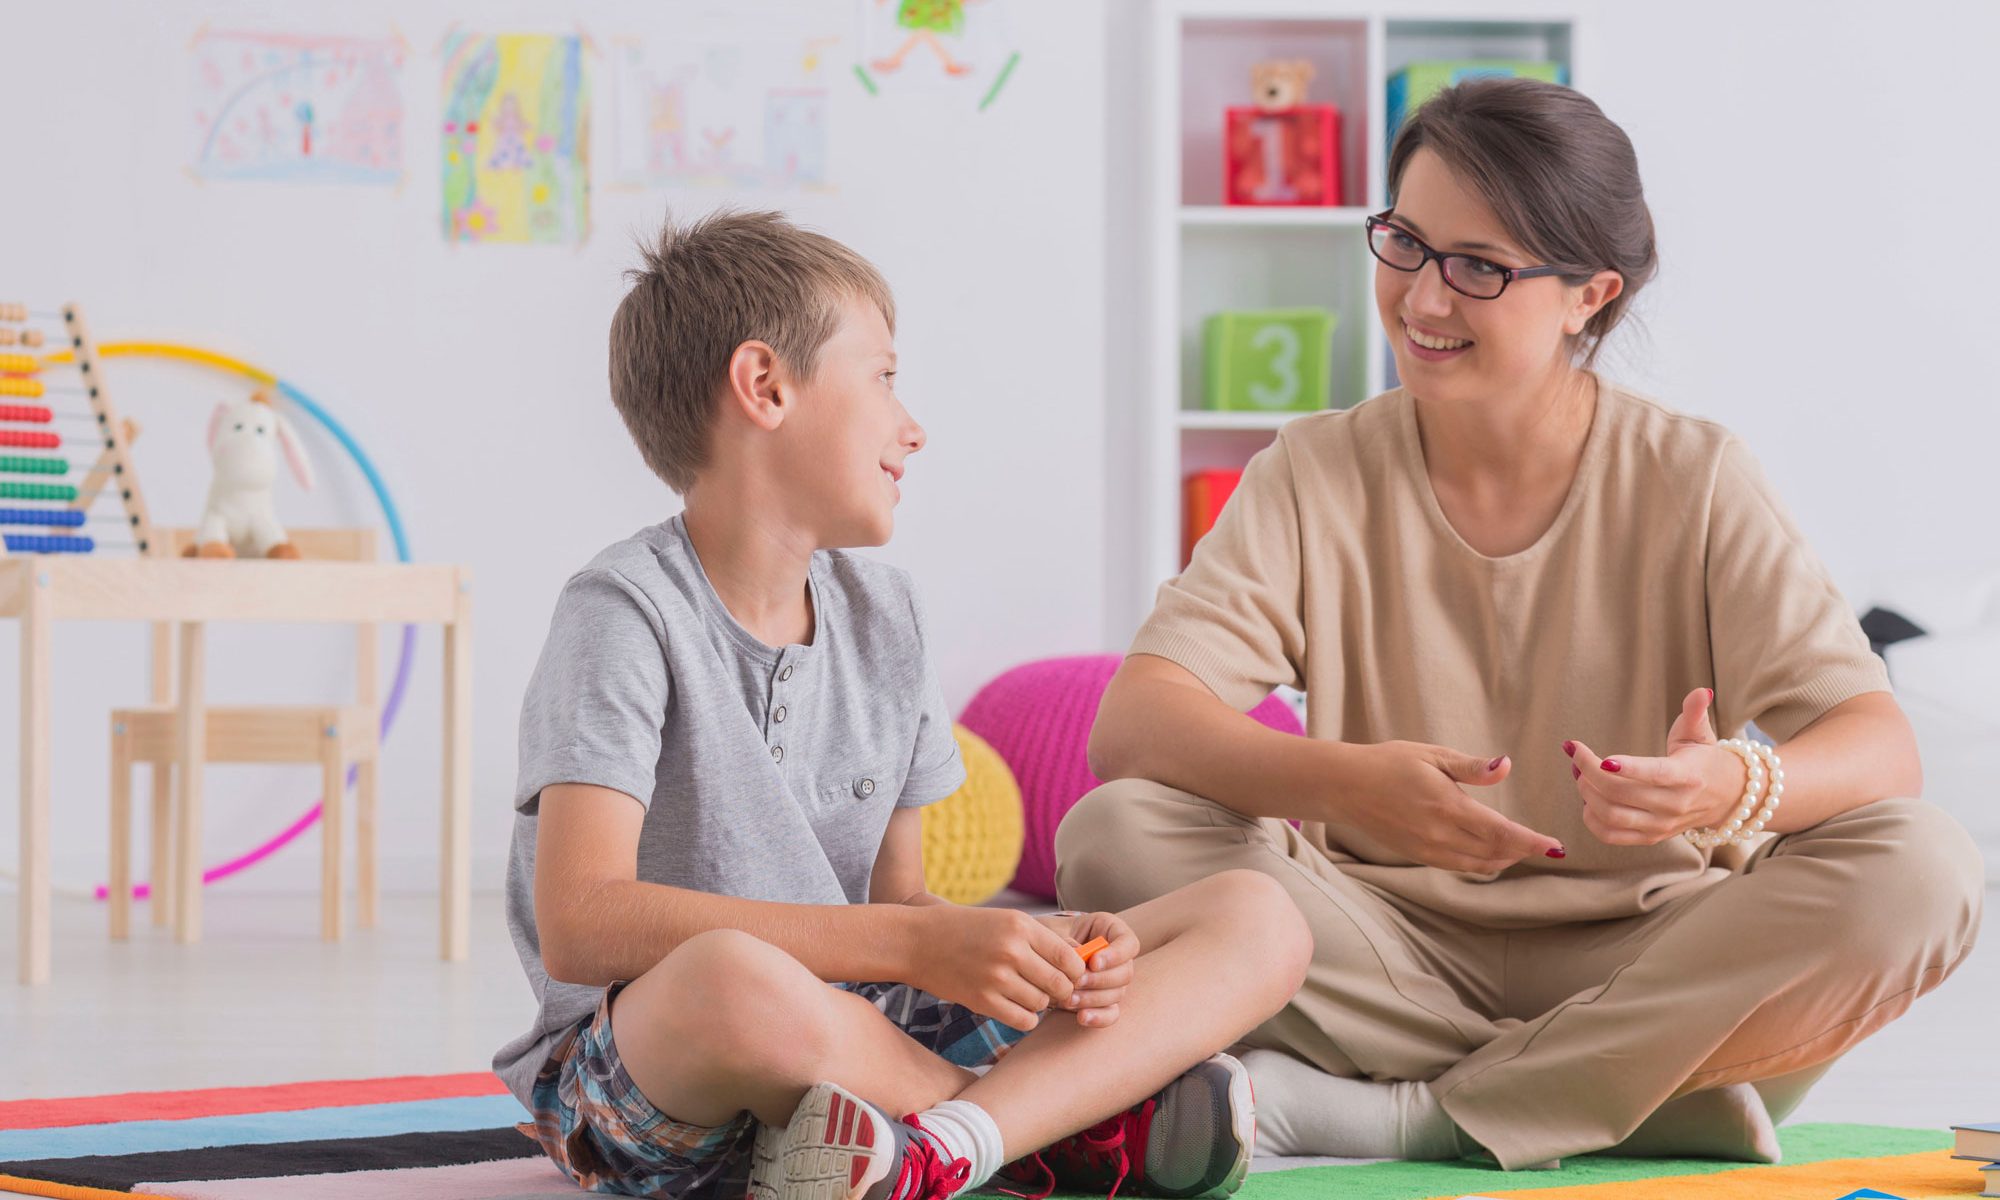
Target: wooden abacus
[60, 500]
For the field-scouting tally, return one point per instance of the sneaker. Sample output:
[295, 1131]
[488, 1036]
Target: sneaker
[1193, 1139]
[840, 1147]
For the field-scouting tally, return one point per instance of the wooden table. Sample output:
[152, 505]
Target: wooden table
[40, 590]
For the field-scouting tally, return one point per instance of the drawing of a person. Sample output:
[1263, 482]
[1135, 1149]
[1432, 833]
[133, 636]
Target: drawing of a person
[510, 150]
[666, 127]
[926, 19]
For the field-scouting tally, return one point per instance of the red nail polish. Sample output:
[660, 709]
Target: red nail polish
[1495, 764]
[1611, 765]
[1558, 852]
[1575, 772]
[1569, 748]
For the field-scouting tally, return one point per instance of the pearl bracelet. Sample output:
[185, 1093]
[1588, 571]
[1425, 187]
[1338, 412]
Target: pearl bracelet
[1766, 779]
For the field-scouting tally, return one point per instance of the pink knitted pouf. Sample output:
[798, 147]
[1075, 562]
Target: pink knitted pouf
[1038, 717]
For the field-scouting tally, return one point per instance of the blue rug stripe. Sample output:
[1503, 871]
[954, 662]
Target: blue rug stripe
[194, 1133]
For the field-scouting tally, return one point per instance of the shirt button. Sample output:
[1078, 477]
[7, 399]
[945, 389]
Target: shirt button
[777, 754]
[779, 716]
[784, 675]
[865, 788]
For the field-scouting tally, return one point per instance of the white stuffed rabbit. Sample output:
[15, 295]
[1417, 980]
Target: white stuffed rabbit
[244, 440]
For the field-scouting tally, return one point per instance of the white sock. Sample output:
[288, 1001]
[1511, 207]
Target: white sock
[1303, 1110]
[968, 1133]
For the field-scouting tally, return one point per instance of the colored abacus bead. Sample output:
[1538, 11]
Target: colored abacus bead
[37, 491]
[47, 518]
[13, 312]
[13, 386]
[29, 439]
[29, 413]
[20, 364]
[16, 465]
[28, 543]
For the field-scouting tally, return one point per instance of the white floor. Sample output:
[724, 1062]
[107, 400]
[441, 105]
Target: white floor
[263, 1000]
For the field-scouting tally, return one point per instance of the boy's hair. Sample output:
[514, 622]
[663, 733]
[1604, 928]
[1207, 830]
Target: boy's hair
[705, 289]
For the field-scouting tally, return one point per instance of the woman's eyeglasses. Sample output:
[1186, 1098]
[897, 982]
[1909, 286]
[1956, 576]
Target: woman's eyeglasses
[1466, 274]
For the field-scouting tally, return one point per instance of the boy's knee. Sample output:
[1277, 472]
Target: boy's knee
[1264, 925]
[720, 958]
[723, 989]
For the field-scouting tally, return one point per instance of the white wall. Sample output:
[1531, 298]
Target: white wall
[475, 374]
[1813, 170]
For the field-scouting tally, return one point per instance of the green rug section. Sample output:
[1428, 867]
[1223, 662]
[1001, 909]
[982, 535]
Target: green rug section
[1416, 1181]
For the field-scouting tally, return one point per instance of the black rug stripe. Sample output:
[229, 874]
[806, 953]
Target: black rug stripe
[120, 1172]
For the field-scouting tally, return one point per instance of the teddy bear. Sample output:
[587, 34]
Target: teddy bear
[1271, 156]
[1280, 83]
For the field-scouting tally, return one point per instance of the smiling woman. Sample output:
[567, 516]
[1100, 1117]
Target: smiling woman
[1527, 606]
[1571, 205]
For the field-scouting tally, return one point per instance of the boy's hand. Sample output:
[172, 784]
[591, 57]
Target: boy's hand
[1095, 1000]
[997, 962]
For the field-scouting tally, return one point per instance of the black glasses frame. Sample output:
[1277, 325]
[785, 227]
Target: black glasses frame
[1507, 274]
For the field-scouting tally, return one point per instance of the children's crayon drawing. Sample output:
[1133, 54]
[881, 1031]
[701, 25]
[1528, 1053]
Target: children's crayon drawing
[515, 151]
[297, 108]
[744, 111]
[963, 45]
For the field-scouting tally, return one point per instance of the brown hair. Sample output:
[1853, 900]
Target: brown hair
[703, 290]
[1559, 174]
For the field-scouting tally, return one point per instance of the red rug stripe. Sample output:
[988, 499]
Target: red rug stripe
[235, 1101]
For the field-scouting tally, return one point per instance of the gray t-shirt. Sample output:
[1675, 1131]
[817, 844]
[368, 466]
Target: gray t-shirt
[766, 773]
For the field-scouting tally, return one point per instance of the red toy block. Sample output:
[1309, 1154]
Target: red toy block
[1286, 156]
[1207, 492]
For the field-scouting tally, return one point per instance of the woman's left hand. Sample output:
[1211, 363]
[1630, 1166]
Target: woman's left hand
[1107, 973]
[1631, 801]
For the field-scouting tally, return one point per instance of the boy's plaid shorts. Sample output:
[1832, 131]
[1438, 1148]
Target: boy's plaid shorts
[597, 1126]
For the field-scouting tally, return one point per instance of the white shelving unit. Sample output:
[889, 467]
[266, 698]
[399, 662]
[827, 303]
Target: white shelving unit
[1207, 257]
[1245, 217]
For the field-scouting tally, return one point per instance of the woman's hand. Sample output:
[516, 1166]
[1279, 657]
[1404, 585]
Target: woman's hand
[1407, 797]
[1645, 801]
[998, 962]
[1109, 971]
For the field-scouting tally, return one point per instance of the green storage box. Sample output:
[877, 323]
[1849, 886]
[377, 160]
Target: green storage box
[1419, 81]
[1268, 360]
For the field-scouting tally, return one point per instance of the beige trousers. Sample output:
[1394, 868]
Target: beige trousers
[1548, 1042]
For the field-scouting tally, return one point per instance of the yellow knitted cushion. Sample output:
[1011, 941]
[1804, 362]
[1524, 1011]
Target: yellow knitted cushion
[972, 838]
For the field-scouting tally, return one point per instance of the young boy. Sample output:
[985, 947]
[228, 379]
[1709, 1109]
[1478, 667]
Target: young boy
[724, 752]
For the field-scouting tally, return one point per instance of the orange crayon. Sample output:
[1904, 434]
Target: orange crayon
[1091, 947]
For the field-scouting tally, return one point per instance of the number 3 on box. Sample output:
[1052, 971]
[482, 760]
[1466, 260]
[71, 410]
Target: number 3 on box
[1284, 364]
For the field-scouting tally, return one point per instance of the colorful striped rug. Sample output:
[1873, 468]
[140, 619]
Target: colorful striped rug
[415, 1138]
[452, 1137]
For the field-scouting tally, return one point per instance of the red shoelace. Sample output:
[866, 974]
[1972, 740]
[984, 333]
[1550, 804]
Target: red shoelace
[1113, 1149]
[925, 1173]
